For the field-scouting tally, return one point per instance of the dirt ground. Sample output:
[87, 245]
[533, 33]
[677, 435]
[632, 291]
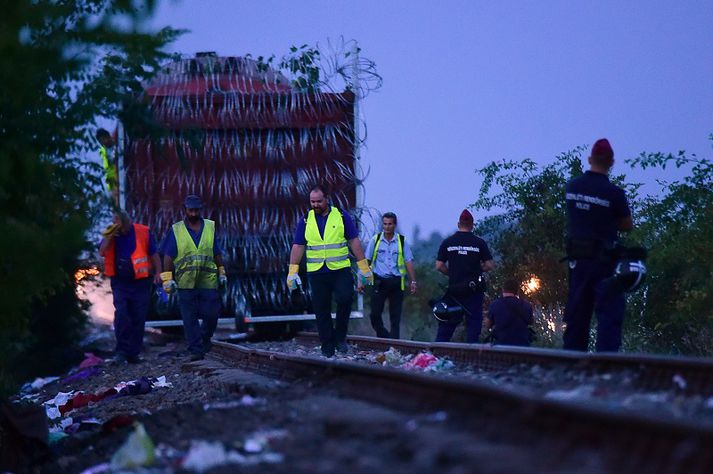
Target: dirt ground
[222, 419]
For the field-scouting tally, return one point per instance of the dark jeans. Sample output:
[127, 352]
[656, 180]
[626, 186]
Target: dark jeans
[324, 285]
[199, 304]
[386, 289]
[473, 304]
[132, 300]
[587, 293]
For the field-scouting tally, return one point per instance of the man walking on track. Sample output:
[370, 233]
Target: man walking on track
[192, 253]
[390, 257]
[326, 234]
[464, 257]
[130, 257]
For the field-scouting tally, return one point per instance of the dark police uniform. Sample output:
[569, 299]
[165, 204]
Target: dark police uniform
[511, 319]
[594, 208]
[464, 252]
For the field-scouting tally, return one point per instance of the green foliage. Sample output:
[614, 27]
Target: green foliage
[55, 86]
[677, 228]
[527, 228]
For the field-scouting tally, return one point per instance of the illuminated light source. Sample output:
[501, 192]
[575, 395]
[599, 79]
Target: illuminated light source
[83, 273]
[531, 286]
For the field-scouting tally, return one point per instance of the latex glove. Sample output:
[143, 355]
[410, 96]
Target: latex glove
[111, 230]
[366, 277]
[168, 284]
[222, 277]
[293, 279]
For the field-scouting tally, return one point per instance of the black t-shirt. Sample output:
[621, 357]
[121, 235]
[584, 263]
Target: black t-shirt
[594, 207]
[463, 251]
[511, 317]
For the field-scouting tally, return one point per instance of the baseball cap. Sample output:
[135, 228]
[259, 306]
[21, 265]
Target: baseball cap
[193, 202]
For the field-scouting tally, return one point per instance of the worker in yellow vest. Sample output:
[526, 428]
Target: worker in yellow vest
[107, 153]
[391, 259]
[193, 264]
[326, 234]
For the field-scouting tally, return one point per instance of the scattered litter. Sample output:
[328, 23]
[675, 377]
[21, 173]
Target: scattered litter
[638, 399]
[138, 450]
[428, 362]
[90, 360]
[205, 455]
[117, 422]
[81, 375]
[55, 437]
[680, 381]
[390, 357]
[37, 384]
[577, 393]
[161, 382]
[99, 468]
[244, 401]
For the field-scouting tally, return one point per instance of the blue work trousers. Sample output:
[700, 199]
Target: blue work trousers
[387, 289]
[132, 300]
[325, 285]
[473, 304]
[588, 292]
[195, 305]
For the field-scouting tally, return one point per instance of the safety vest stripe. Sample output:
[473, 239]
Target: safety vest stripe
[327, 246]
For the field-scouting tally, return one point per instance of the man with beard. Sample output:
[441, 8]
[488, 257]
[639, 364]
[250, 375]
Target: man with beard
[326, 234]
[191, 251]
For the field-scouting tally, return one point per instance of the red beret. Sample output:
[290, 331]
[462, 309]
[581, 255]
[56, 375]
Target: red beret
[466, 217]
[602, 148]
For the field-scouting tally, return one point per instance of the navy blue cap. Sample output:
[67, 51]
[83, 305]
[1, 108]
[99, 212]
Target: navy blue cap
[193, 202]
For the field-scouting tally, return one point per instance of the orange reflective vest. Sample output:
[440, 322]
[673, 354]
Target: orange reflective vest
[139, 257]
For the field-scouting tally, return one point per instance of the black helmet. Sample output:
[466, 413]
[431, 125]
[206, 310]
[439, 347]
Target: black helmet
[446, 313]
[629, 274]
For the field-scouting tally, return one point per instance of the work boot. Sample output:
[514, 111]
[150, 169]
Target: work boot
[328, 349]
[195, 356]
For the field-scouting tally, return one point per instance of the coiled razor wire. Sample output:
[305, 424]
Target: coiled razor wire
[252, 146]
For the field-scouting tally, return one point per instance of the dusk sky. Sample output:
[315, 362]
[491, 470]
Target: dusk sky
[468, 82]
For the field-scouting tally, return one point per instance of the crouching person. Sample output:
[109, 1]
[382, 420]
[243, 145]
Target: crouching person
[510, 317]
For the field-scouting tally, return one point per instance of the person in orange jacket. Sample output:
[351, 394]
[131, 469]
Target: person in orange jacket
[132, 263]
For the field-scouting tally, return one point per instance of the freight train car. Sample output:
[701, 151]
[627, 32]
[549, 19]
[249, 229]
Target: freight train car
[251, 145]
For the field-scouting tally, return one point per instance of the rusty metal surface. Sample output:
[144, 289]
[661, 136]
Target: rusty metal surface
[655, 372]
[626, 441]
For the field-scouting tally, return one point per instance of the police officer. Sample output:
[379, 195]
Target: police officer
[510, 317]
[191, 251]
[390, 258]
[326, 234]
[596, 211]
[129, 252]
[464, 257]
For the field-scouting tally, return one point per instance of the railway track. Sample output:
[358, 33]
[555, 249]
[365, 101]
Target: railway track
[623, 441]
[690, 375]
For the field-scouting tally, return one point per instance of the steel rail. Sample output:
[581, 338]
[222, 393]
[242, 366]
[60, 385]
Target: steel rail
[624, 441]
[654, 372]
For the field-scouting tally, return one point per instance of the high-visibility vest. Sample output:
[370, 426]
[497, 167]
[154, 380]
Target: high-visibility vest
[194, 267]
[332, 248]
[139, 257]
[399, 261]
[109, 169]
